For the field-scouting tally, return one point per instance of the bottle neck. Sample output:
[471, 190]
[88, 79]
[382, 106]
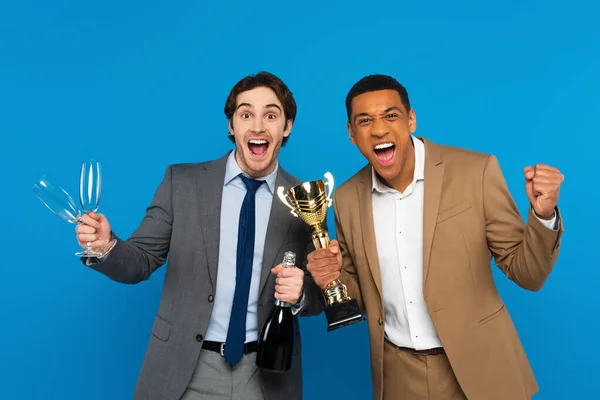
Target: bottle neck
[289, 261]
[279, 303]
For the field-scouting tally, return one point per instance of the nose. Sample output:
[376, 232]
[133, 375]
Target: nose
[257, 125]
[378, 128]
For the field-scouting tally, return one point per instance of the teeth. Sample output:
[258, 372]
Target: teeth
[258, 141]
[383, 146]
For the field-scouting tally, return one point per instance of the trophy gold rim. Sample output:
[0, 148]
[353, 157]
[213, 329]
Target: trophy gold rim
[316, 199]
[283, 198]
[313, 205]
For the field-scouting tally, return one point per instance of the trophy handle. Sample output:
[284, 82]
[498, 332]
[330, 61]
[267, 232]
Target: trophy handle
[329, 185]
[283, 198]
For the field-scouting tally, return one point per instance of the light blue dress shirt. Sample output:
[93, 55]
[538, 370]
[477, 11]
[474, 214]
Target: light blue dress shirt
[234, 192]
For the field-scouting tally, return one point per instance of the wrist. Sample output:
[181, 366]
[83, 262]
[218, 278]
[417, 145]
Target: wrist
[299, 306]
[104, 250]
[545, 216]
[299, 300]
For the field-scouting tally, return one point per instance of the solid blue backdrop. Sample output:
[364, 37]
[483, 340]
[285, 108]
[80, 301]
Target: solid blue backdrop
[141, 85]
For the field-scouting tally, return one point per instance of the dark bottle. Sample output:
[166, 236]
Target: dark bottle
[276, 340]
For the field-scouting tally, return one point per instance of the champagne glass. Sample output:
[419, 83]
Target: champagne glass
[57, 200]
[90, 191]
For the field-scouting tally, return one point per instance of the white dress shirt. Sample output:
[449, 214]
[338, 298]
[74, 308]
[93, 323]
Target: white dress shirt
[398, 220]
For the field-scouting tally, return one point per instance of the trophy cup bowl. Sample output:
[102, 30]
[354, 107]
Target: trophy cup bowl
[310, 201]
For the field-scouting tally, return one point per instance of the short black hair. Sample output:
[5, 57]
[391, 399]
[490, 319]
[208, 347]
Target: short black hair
[262, 79]
[373, 83]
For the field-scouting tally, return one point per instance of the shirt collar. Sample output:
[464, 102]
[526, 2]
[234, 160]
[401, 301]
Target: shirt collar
[232, 170]
[419, 173]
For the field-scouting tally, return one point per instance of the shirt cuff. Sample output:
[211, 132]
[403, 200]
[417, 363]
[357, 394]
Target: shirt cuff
[548, 223]
[297, 308]
[95, 260]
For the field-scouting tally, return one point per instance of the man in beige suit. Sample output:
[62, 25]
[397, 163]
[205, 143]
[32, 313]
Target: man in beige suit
[416, 231]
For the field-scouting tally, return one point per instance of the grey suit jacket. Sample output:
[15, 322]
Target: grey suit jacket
[182, 222]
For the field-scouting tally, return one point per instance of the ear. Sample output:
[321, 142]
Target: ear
[288, 128]
[351, 133]
[230, 126]
[412, 120]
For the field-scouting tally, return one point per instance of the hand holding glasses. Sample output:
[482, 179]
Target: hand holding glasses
[62, 204]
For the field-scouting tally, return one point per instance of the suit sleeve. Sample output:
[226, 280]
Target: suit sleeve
[349, 274]
[525, 253]
[135, 259]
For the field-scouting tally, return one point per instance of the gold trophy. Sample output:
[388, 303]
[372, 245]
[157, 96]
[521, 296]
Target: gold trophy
[310, 201]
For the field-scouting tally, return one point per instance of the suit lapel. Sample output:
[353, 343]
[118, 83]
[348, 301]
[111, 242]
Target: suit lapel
[365, 200]
[277, 229]
[434, 177]
[210, 192]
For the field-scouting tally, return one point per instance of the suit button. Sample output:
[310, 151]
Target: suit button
[199, 338]
[211, 298]
[380, 321]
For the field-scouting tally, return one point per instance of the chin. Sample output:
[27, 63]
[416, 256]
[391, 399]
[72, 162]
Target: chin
[259, 166]
[386, 173]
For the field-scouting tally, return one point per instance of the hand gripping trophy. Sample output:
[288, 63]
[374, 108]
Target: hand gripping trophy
[310, 201]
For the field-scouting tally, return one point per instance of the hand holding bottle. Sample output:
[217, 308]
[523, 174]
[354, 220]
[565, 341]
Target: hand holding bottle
[277, 337]
[288, 284]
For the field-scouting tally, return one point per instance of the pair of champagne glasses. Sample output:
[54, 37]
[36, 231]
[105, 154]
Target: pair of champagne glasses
[62, 204]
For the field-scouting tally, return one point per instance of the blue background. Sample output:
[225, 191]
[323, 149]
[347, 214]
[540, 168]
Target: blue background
[140, 85]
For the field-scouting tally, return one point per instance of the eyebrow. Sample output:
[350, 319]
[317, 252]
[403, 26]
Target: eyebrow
[273, 105]
[251, 106]
[244, 105]
[387, 110]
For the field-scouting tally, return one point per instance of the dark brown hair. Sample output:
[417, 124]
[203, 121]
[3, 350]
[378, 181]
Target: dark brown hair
[373, 83]
[262, 79]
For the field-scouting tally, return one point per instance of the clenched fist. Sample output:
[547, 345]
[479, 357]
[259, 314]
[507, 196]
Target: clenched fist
[288, 284]
[542, 184]
[95, 230]
[325, 264]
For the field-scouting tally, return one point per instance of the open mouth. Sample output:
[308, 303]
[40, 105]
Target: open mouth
[258, 147]
[385, 152]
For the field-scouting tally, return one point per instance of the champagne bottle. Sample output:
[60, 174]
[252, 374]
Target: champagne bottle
[276, 341]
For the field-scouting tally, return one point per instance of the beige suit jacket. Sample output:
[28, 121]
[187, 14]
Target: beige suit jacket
[469, 217]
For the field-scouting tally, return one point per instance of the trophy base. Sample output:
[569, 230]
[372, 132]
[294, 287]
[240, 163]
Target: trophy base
[343, 314]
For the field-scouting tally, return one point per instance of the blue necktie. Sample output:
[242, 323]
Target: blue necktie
[236, 333]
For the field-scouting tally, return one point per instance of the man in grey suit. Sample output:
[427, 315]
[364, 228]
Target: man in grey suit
[225, 235]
